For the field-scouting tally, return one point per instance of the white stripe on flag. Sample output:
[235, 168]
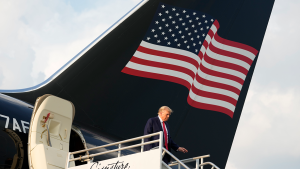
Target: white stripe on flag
[223, 70]
[215, 90]
[214, 28]
[203, 49]
[219, 79]
[227, 59]
[162, 59]
[233, 49]
[211, 101]
[208, 39]
[171, 50]
[162, 71]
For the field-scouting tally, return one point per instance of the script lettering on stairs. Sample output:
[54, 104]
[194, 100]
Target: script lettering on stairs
[117, 165]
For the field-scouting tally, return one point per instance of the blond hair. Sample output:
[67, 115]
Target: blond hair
[165, 108]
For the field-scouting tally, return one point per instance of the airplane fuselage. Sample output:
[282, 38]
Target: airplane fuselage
[15, 116]
[14, 124]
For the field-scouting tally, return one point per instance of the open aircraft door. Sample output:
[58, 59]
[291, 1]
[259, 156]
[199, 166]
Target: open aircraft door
[49, 133]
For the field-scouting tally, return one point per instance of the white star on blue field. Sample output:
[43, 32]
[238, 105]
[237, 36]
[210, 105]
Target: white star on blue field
[179, 28]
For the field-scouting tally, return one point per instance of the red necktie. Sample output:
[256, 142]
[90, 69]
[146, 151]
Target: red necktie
[166, 136]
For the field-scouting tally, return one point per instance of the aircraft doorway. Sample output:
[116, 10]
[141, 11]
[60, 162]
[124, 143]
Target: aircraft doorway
[77, 142]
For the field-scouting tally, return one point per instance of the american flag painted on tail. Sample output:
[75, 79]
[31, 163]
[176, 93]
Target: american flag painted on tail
[182, 46]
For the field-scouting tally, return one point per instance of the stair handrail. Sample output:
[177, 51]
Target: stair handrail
[168, 152]
[196, 159]
[117, 149]
[162, 149]
[190, 160]
[210, 163]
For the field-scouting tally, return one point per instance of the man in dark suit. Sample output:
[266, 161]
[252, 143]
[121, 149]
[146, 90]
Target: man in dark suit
[157, 124]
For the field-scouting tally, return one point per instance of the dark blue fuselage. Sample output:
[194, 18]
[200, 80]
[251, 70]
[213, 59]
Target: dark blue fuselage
[14, 124]
[15, 116]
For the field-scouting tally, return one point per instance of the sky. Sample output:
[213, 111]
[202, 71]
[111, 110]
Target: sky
[37, 37]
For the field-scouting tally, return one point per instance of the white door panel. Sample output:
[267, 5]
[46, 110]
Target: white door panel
[49, 132]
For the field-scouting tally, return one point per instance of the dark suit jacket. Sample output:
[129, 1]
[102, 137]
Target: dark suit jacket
[153, 125]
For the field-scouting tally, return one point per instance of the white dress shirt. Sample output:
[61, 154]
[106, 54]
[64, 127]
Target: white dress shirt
[162, 126]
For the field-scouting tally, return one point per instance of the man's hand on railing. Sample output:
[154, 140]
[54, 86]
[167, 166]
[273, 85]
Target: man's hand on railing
[182, 149]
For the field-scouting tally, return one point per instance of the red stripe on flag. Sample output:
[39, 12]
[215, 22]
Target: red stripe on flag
[217, 85]
[211, 33]
[209, 107]
[236, 44]
[221, 75]
[205, 44]
[223, 64]
[230, 54]
[216, 23]
[163, 65]
[200, 54]
[168, 55]
[156, 76]
[214, 95]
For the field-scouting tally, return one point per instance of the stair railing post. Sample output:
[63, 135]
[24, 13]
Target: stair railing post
[142, 148]
[163, 154]
[119, 152]
[160, 144]
[202, 160]
[197, 163]
[68, 160]
[178, 165]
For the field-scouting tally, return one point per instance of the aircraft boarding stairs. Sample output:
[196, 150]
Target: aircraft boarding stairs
[151, 159]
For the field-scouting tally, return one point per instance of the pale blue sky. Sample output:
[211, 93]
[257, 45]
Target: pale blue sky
[38, 37]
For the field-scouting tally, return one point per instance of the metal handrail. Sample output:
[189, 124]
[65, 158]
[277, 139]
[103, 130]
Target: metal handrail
[163, 163]
[205, 156]
[197, 162]
[161, 149]
[88, 156]
[189, 160]
[116, 143]
[210, 163]
[110, 151]
[168, 152]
